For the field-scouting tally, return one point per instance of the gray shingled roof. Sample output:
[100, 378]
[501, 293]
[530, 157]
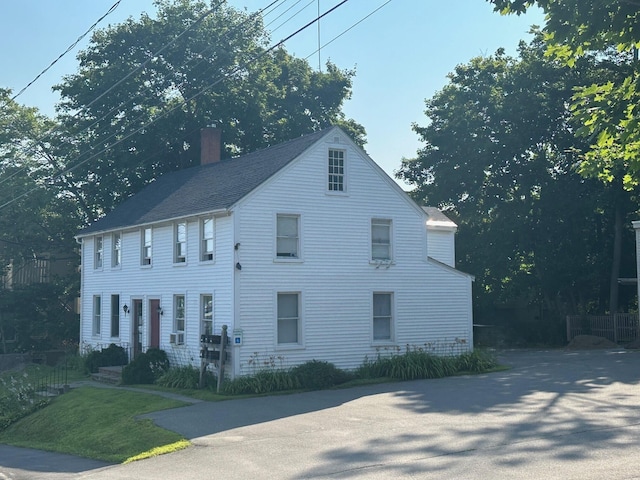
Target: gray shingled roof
[203, 188]
[437, 217]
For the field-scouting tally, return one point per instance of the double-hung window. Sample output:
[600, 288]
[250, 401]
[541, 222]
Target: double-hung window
[289, 327]
[115, 316]
[288, 236]
[382, 317]
[206, 242]
[179, 318]
[380, 239]
[146, 236]
[116, 250]
[206, 309]
[97, 307]
[180, 243]
[336, 170]
[98, 252]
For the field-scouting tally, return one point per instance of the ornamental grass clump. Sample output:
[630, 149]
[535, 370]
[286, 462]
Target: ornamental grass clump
[416, 363]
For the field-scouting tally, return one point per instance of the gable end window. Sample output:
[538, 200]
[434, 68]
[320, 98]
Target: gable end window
[180, 243]
[206, 242]
[288, 236]
[289, 326]
[116, 250]
[98, 252]
[146, 246]
[380, 239]
[336, 170]
[382, 317]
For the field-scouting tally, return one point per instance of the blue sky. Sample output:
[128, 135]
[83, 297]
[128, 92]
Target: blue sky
[401, 54]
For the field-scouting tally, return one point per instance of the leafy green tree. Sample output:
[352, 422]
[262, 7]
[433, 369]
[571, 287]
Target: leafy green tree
[500, 154]
[146, 87]
[607, 108]
[36, 226]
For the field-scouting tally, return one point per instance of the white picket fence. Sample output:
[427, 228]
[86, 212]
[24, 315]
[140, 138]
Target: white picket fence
[620, 327]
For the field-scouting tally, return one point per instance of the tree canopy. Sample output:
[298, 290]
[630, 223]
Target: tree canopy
[36, 228]
[607, 108]
[146, 87]
[500, 154]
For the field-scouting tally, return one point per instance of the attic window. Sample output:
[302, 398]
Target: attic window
[336, 170]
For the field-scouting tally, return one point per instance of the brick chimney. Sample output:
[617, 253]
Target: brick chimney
[210, 145]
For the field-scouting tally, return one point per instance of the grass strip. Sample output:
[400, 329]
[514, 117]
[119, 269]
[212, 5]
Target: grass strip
[97, 423]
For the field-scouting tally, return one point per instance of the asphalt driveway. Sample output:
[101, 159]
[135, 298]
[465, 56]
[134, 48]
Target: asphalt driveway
[555, 414]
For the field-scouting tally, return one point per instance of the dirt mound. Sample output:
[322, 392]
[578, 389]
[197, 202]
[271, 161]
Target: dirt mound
[590, 342]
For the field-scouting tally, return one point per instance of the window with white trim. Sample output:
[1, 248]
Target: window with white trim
[180, 242]
[380, 239]
[206, 314]
[288, 236]
[98, 252]
[336, 170]
[97, 306]
[289, 323]
[146, 238]
[382, 317]
[116, 250]
[178, 313]
[115, 316]
[206, 243]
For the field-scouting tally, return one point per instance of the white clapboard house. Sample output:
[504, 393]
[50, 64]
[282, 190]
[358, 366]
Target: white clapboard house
[305, 250]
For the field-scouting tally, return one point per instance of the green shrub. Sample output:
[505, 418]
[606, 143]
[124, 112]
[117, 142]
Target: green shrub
[477, 361]
[107, 357]
[146, 368]
[263, 381]
[187, 377]
[316, 375]
[417, 364]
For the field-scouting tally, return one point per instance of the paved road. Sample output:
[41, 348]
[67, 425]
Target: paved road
[555, 414]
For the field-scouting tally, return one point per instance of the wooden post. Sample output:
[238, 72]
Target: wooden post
[203, 364]
[221, 360]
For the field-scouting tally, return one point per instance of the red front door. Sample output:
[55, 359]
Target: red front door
[154, 323]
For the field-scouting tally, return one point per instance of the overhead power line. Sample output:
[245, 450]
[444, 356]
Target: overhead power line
[69, 48]
[203, 90]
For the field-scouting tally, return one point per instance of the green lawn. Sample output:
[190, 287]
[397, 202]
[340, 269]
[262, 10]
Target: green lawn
[97, 423]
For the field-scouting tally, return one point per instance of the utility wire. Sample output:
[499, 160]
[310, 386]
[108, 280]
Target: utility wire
[345, 31]
[203, 90]
[176, 73]
[136, 69]
[71, 47]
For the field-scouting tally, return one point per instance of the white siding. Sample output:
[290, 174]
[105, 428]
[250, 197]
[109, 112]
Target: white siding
[335, 275]
[162, 280]
[441, 245]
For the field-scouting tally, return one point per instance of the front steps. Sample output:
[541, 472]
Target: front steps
[110, 375]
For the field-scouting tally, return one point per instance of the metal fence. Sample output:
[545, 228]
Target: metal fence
[620, 327]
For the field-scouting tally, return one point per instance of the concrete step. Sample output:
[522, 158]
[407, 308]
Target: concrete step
[111, 375]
